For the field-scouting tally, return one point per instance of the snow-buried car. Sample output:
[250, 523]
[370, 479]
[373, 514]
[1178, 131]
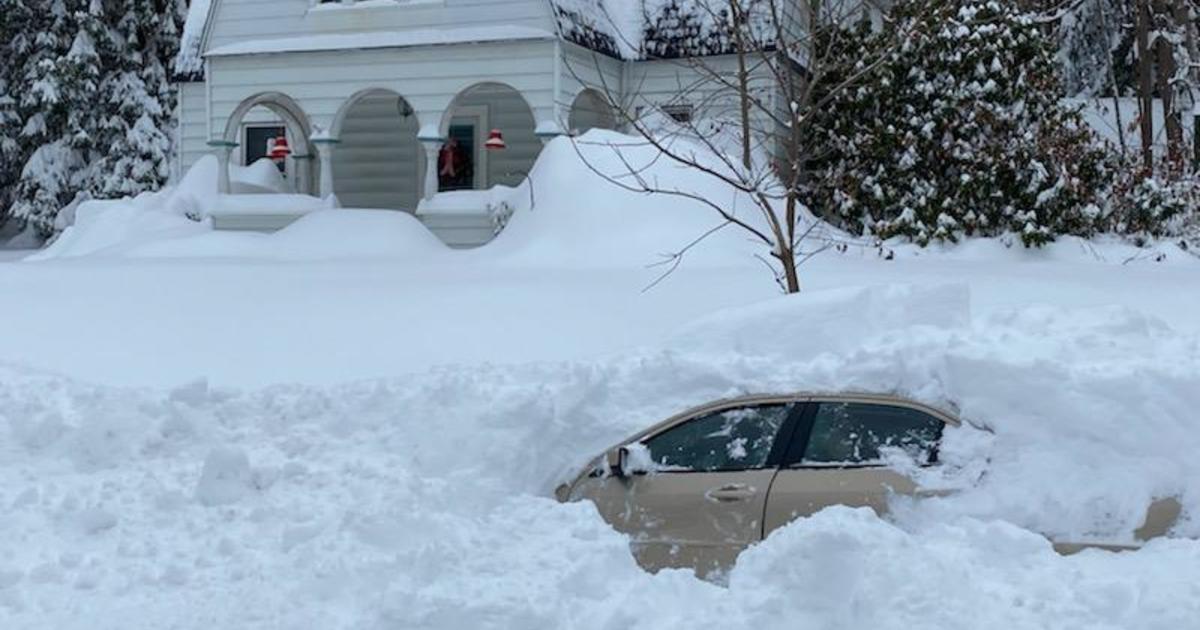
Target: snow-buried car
[697, 489]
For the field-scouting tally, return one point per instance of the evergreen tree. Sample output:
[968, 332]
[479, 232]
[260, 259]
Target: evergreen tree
[95, 102]
[9, 148]
[60, 76]
[138, 99]
[12, 17]
[959, 130]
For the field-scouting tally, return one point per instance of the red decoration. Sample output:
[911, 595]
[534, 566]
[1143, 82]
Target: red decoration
[495, 141]
[280, 150]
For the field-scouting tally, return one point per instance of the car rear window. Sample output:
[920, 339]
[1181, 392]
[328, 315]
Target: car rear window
[857, 434]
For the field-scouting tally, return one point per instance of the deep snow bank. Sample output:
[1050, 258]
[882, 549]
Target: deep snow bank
[114, 228]
[573, 211]
[321, 235]
[586, 210]
[421, 502]
[580, 207]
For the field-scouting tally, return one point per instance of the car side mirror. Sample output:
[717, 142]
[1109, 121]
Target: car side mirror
[629, 460]
[618, 462]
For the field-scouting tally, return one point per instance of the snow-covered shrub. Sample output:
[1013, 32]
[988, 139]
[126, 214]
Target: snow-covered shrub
[957, 130]
[1153, 208]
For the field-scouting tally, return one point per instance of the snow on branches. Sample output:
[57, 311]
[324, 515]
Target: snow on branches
[85, 101]
[959, 131]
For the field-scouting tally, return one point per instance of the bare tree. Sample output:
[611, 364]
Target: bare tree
[759, 71]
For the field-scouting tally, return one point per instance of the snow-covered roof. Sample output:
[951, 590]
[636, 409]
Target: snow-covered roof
[627, 29]
[382, 39]
[656, 29]
[189, 63]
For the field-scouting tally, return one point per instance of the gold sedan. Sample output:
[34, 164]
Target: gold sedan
[697, 489]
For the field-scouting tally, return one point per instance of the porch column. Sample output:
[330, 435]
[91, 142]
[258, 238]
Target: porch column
[222, 149]
[303, 170]
[325, 147]
[432, 146]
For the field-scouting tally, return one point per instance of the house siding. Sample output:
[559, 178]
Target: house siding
[192, 130]
[428, 77]
[379, 163]
[654, 84]
[585, 69]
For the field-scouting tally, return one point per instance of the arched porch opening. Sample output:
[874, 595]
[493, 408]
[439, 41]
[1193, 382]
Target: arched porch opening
[257, 124]
[591, 110]
[464, 162]
[378, 162]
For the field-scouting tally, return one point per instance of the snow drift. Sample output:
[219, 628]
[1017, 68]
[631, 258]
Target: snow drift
[423, 502]
[586, 210]
[572, 212]
[173, 224]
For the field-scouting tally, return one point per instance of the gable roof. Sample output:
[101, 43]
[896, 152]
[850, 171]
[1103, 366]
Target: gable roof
[625, 29]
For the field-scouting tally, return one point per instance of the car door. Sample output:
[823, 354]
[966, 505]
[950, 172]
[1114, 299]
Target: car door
[702, 501]
[837, 457]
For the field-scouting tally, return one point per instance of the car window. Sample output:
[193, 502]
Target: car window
[861, 434]
[734, 439]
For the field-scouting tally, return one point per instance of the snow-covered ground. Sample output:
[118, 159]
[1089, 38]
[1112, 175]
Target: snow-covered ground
[346, 426]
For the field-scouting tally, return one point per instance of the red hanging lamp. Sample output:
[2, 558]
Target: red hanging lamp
[495, 141]
[280, 149]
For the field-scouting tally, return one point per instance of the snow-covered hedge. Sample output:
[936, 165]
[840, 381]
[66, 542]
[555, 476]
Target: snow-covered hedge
[1150, 208]
[957, 129]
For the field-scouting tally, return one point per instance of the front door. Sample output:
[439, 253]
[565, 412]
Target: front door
[702, 501]
[839, 453]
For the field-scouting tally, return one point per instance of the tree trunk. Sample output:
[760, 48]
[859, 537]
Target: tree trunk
[787, 258]
[739, 33]
[1186, 21]
[1166, 89]
[1116, 90]
[1145, 85]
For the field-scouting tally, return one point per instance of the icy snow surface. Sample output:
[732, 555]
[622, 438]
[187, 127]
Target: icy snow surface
[204, 430]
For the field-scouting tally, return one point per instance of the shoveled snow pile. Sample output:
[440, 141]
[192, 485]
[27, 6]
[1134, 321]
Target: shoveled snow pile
[423, 502]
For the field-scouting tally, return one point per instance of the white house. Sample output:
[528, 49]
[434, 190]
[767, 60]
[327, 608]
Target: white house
[368, 94]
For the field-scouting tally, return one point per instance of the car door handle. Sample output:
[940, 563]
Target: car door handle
[730, 493]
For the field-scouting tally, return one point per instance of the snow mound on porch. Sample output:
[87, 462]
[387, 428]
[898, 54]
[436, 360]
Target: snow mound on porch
[174, 223]
[422, 502]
